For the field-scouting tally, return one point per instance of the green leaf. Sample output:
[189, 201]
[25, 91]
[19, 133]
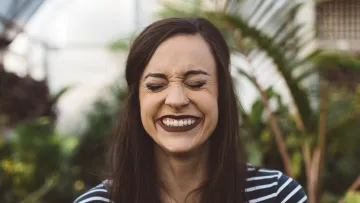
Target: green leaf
[337, 59]
[306, 74]
[274, 51]
[340, 112]
[183, 9]
[285, 23]
[296, 163]
[291, 34]
[232, 5]
[257, 7]
[352, 197]
[58, 95]
[255, 154]
[263, 13]
[312, 57]
[257, 112]
[120, 45]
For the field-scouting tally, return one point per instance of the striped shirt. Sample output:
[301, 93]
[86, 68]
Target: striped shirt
[262, 185]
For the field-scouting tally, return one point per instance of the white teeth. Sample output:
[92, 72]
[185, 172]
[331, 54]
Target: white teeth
[178, 123]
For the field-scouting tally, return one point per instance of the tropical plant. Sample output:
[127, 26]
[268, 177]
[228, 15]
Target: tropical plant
[88, 159]
[32, 153]
[308, 133]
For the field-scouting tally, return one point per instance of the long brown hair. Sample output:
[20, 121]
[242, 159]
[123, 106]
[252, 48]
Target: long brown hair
[133, 175]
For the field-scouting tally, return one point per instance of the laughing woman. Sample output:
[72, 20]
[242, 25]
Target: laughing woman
[178, 138]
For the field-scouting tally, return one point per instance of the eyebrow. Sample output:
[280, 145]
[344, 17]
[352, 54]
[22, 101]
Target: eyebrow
[195, 72]
[163, 76]
[156, 75]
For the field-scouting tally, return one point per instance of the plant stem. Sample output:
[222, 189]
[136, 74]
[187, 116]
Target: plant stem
[355, 185]
[275, 128]
[322, 134]
[352, 188]
[273, 122]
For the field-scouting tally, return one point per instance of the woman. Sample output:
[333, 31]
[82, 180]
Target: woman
[178, 137]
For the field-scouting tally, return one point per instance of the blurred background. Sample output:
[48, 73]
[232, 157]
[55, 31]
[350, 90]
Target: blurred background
[296, 66]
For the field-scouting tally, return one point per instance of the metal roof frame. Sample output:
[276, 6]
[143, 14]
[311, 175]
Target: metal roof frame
[14, 15]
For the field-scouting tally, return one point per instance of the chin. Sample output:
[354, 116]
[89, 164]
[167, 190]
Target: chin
[182, 149]
[177, 149]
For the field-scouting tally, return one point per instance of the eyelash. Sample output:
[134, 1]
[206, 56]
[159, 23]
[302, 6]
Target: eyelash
[157, 87]
[198, 85]
[154, 87]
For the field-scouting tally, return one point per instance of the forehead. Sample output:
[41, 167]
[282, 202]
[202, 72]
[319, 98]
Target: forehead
[182, 53]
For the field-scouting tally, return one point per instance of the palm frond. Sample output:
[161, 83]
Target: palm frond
[285, 23]
[275, 52]
[262, 13]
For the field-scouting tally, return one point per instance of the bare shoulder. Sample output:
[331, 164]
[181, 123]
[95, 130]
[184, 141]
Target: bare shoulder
[98, 194]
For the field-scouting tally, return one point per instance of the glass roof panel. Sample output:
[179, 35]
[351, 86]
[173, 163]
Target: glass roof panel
[18, 11]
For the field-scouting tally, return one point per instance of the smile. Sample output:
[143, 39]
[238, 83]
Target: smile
[178, 123]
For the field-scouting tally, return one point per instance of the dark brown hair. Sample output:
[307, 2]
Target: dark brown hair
[133, 174]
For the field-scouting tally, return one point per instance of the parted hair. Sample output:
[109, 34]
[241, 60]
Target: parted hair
[131, 157]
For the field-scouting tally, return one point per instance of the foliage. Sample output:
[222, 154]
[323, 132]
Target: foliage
[120, 45]
[321, 131]
[93, 141]
[32, 155]
[352, 197]
[38, 165]
[23, 98]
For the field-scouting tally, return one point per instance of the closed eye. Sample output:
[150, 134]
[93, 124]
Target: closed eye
[197, 85]
[155, 87]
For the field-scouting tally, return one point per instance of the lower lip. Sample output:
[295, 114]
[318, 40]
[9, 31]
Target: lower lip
[178, 128]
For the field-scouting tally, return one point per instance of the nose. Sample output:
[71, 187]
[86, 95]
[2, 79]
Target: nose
[176, 97]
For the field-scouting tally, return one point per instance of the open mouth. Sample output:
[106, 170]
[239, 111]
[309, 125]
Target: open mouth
[178, 123]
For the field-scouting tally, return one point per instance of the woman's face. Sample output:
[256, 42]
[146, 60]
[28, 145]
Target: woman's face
[179, 93]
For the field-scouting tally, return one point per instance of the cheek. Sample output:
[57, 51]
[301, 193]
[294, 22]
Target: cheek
[212, 113]
[207, 104]
[149, 104]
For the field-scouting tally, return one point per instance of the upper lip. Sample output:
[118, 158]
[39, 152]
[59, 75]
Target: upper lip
[178, 116]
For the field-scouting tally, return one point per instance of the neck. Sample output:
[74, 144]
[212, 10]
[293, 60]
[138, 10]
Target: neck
[181, 174]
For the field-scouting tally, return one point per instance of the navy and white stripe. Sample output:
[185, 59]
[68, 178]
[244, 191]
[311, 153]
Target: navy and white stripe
[262, 185]
[97, 194]
[267, 186]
